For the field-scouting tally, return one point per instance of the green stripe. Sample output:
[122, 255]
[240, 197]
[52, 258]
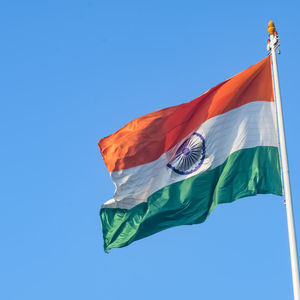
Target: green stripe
[246, 172]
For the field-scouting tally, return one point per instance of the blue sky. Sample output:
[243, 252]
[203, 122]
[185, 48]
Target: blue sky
[75, 71]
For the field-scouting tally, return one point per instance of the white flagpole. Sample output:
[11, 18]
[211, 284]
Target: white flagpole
[273, 44]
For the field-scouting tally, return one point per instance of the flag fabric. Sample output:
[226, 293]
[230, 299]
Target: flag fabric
[173, 166]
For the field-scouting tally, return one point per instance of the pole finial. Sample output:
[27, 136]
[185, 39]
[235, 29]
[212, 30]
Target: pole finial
[271, 27]
[273, 41]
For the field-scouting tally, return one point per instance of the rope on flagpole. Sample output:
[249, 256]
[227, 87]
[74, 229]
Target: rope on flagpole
[273, 44]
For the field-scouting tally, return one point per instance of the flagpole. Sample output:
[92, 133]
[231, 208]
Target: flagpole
[273, 44]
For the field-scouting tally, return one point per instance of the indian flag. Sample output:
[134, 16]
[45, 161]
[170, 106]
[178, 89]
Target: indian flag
[173, 166]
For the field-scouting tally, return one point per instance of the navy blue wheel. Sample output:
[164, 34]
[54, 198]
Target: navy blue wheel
[190, 155]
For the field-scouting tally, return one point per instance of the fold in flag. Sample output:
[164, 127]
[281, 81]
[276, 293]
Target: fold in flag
[173, 166]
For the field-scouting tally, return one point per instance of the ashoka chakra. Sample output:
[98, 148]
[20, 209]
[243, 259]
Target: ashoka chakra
[189, 156]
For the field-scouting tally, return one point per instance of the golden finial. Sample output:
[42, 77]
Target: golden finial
[271, 27]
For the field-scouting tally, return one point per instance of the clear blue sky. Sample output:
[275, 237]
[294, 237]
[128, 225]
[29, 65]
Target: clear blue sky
[75, 71]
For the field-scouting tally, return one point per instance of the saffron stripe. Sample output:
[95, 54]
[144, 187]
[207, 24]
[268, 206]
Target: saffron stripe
[145, 139]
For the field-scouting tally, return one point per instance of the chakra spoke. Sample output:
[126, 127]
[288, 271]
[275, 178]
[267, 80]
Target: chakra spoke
[196, 151]
[195, 156]
[190, 162]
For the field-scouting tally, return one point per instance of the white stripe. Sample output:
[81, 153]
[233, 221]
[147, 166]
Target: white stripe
[248, 126]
